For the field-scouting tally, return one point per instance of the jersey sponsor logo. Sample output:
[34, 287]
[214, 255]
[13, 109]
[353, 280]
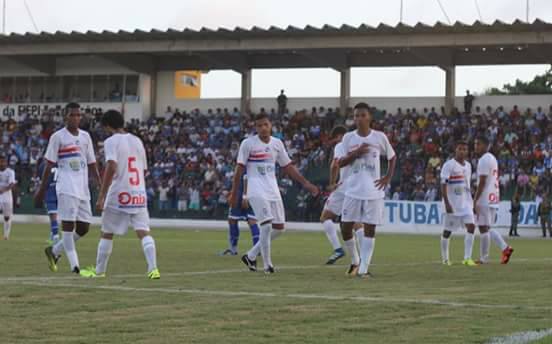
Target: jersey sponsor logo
[266, 169]
[128, 200]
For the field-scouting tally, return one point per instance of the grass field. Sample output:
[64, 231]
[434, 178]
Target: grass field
[203, 298]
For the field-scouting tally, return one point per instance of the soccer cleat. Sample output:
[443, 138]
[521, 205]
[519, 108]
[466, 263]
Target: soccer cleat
[90, 272]
[447, 262]
[52, 259]
[367, 275]
[481, 262]
[506, 254]
[228, 252]
[154, 274]
[251, 264]
[469, 262]
[76, 270]
[269, 271]
[336, 255]
[352, 271]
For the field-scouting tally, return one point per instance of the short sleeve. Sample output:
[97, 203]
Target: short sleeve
[282, 156]
[12, 178]
[90, 156]
[52, 149]
[483, 167]
[243, 154]
[338, 151]
[386, 148]
[144, 156]
[110, 150]
[445, 174]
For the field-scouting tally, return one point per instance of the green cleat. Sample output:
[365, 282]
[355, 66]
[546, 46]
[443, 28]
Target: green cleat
[90, 272]
[469, 262]
[52, 259]
[154, 274]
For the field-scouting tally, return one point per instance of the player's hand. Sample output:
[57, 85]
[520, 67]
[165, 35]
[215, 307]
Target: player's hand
[38, 198]
[383, 182]
[313, 189]
[448, 208]
[245, 203]
[363, 149]
[332, 187]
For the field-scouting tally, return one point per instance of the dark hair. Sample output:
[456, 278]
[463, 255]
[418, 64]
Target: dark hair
[483, 139]
[72, 106]
[460, 142]
[361, 106]
[113, 119]
[261, 116]
[339, 130]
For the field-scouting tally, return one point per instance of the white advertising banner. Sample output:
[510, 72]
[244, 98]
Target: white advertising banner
[19, 111]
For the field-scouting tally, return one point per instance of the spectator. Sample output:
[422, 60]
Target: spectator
[282, 102]
[183, 198]
[468, 102]
[163, 196]
[515, 208]
[544, 211]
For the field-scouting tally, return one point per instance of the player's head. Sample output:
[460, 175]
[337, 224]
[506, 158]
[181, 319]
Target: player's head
[481, 144]
[113, 120]
[363, 116]
[461, 150]
[263, 125]
[338, 132]
[72, 115]
[3, 162]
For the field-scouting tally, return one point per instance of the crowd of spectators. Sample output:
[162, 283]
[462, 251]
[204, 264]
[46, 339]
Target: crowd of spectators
[191, 154]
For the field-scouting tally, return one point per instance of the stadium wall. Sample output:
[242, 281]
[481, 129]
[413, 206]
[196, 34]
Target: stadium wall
[402, 217]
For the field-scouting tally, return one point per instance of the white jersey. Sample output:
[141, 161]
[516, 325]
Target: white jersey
[7, 177]
[343, 171]
[364, 171]
[260, 160]
[488, 166]
[127, 192]
[72, 154]
[457, 177]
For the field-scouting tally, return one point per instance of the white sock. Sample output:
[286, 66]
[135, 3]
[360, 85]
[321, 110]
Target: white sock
[264, 239]
[350, 247]
[366, 252]
[70, 250]
[7, 228]
[468, 245]
[255, 250]
[359, 234]
[148, 244]
[105, 246]
[484, 246]
[497, 238]
[57, 249]
[331, 232]
[445, 243]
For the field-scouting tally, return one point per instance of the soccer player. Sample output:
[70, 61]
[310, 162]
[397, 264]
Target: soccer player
[458, 203]
[486, 201]
[258, 155]
[51, 201]
[7, 183]
[123, 197]
[364, 185]
[334, 204]
[72, 150]
[242, 213]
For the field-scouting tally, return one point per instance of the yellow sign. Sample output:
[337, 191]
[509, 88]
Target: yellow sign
[187, 84]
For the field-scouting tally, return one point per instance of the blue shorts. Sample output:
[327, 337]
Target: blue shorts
[241, 214]
[52, 207]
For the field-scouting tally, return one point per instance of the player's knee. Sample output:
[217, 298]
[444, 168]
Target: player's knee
[108, 236]
[82, 228]
[142, 234]
[446, 234]
[483, 229]
[6, 218]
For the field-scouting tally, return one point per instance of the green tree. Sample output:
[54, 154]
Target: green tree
[541, 84]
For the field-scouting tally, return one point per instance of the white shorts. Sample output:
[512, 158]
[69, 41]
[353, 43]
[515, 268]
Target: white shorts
[334, 203]
[486, 216]
[364, 211]
[117, 222]
[453, 223]
[7, 209]
[71, 209]
[268, 211]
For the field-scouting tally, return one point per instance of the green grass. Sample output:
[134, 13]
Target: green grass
[293, 306]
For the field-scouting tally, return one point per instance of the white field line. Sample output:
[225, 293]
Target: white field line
[304, 296]
[231, 271]
[522, 337]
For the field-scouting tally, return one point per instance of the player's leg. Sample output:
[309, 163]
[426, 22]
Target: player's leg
[372, 216]
[358, 229]
[140, 223]
[7, 212]
[277, 213]
[351, 214]
[327, 219]
[484, 244]
[233, 237]
[468, 243]
[543, 226]
[496, 237]
[105, 247]
[254, 228]
[445, 247]
[54, 227]
[262, 210]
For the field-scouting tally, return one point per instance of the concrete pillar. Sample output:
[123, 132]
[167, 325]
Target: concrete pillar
[450, 88]
[344, 90]
[245, 103]
[147, 93]
[153, 95]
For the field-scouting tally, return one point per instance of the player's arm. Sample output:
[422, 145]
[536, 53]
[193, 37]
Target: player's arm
[109, 173]
[39, 195]
[245, 202]
[353, 155]
[294, 173]
[238, 174]
[383, 182]
[95, 172]
[334, 172]
[448, 207]
[479, 191]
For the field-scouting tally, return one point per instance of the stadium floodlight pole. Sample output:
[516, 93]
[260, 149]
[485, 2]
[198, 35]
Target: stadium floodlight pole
[527, 11]
[401, 14]
[4, 17]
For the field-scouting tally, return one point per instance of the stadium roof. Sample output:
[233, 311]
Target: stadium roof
[335, 47]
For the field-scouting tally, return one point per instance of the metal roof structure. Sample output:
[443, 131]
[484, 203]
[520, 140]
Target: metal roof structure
[327, 46]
